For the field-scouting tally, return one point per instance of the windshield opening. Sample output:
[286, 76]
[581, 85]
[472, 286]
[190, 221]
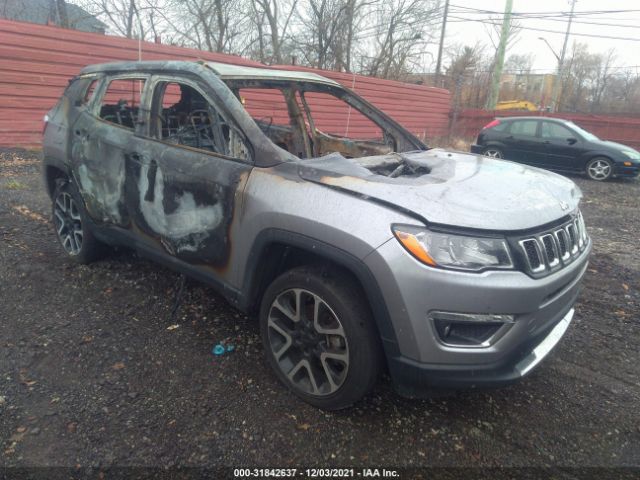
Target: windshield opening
[586, 135]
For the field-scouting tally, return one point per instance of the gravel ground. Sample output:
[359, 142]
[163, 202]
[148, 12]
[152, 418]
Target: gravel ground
[92, 374]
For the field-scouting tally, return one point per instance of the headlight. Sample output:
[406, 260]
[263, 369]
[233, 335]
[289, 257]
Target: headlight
[633, 155]
[454, 251]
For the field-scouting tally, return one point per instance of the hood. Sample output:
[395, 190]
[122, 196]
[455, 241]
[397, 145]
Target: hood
[618, 147]
[452, 188]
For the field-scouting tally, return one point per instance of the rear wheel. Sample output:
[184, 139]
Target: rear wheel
[599, 169]
[493, 152]
[71, 224]
[319, 336]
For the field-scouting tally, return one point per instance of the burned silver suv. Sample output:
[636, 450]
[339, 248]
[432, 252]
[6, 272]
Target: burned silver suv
[358, 247]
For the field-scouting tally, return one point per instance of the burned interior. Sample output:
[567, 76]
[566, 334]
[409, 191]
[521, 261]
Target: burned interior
[295, 119]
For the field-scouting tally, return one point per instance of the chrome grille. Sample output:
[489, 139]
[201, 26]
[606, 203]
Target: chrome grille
[551, 250]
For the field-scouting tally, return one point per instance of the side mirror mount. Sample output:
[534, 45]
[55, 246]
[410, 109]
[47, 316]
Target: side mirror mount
[571, 140]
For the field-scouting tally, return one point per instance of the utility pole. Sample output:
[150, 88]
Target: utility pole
[557, 85]
[442, 33]
[502, 48]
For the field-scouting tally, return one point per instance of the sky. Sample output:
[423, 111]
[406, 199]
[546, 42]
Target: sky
[624, 25]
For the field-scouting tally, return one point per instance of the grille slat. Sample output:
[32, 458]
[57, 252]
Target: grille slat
[561, 237]
[551, 250]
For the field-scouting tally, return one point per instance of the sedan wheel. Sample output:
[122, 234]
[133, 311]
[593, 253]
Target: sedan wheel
[599, 169]
[492, 153]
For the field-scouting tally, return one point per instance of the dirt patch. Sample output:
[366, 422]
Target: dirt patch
[95, 372]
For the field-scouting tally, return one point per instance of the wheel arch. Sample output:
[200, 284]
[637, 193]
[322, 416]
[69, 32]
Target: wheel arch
[52, 174]
[275, 251]
[493, 144]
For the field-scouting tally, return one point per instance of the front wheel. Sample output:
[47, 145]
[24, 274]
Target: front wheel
[599, 169]
[493, 152]
[319, 337]
[71, 224]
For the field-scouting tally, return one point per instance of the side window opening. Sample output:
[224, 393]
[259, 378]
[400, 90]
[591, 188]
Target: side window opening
[121, 102]
[555, 130]
[339, 127]
[501, 127]
[309, 123]
[89, 92]
[183, 116]
[524, 127]
[268, 108]
[344, 120]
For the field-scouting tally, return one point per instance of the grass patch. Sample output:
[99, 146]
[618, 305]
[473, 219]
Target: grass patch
[15, 185]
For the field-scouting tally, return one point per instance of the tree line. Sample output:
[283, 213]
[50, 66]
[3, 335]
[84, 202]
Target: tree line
[383, 38]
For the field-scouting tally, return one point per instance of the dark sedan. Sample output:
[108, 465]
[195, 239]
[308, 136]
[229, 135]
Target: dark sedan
[556, 144]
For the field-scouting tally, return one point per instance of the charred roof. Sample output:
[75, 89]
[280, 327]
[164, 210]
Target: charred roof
[224, 70]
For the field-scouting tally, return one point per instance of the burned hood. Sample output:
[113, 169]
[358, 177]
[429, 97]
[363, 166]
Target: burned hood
[452, 188]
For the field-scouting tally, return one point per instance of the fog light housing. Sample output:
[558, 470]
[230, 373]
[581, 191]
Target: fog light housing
[468, 329]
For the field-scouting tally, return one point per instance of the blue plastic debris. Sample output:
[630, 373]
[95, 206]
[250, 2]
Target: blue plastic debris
[218, 350]
[221, 349]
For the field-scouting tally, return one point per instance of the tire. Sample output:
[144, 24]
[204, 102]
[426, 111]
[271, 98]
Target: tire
[493, 152]
[328, 370]
[599, 169]
[71, 225]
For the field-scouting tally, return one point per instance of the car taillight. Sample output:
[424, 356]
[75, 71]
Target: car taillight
[493, 123]
[45, 121]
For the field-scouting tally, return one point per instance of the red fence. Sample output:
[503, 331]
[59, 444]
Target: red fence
[36, 61]
[468, 124]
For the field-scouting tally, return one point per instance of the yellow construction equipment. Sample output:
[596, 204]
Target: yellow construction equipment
[522, 105]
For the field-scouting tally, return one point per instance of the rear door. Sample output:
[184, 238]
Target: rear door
[186, 176]
[77, 98]
[523, 143]
[563, 146]
[101, 137]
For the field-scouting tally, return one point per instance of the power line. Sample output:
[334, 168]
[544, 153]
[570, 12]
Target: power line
[563, 20]
[591, 35]
[555, 13]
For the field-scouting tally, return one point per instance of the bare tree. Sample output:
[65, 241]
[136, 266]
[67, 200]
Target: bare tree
[493, 27]
[122, 16]
[520, 64]
[327, 31]
[399, 36]
[603, 74]
[272, 18]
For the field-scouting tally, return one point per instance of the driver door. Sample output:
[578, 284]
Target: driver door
[186, 175]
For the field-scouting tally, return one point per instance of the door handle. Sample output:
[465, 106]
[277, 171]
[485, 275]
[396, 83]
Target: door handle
[81, 132]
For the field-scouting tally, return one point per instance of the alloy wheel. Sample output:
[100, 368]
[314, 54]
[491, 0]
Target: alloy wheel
[308, 342]
[599, 169]
[493, 153]
[68, 224]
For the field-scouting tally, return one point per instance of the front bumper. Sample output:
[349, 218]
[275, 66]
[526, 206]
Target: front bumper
[476, 148]
[413, 379]
[622, 171]
[420, 362]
